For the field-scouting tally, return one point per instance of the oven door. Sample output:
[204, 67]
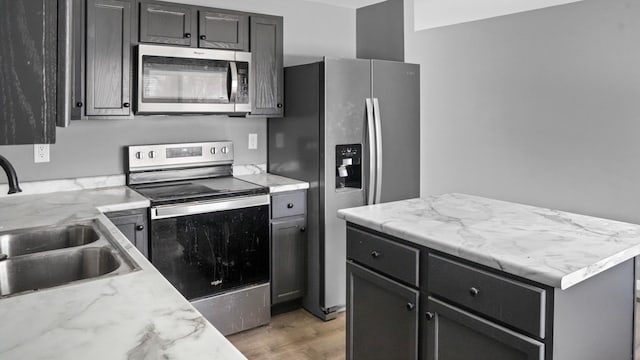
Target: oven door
[207, 248]
[186, 80]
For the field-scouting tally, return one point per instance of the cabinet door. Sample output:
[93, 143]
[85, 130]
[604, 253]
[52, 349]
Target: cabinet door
[219, 30]
[164, 23]
[382, 317]
[108, 61]
[288, 248]
[453, 334]
[28, 67]
[134, 227]
[266, 63]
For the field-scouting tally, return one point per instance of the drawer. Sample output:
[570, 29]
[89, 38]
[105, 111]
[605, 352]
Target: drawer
[511, 302]
[289, 204]
[388, 257]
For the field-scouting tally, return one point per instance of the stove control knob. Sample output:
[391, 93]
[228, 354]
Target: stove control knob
[224, 150]
[213, 151]
[139, 155]
[152, 154]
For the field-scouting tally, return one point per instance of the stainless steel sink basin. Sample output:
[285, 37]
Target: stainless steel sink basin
[28, 242]
[45, 271]
[46, 257]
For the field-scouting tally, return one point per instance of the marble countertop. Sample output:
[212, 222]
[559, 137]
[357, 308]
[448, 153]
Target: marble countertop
[275, 183]
[135, 316]
[551, 247]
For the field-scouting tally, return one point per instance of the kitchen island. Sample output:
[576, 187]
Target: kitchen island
[138, 315]
[465, 277]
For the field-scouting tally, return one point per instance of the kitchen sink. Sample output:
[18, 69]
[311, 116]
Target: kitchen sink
[45, 271]
[43, 258]
[29, 242]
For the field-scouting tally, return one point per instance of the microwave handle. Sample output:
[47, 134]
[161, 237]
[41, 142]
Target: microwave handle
[234, 81]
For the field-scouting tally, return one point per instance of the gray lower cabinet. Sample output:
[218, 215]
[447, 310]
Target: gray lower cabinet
[454, 334]
[134, 225]
[382, 317]
[166, 23]
[221, 30]
[468, 311]
[288, 248]
[28, 71]
[266, 63]
[108, 57]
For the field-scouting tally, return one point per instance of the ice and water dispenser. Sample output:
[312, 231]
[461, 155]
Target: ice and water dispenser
[349, 166]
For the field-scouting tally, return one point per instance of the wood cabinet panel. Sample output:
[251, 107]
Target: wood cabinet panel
[266, 62]
[165, 23]
[288, 239]
[382, 317]
[28, 71]
[219, 30]
[108, 58]
[453, 334]
[134, 226]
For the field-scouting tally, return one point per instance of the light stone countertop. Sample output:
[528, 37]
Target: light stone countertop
[552, 247]
[135, 316]
[275, 183]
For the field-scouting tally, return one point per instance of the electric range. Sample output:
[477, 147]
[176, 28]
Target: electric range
[209, 232]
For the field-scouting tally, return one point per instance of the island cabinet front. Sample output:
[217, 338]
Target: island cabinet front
[408, 301]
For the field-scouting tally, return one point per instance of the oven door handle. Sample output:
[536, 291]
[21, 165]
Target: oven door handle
[194, 208]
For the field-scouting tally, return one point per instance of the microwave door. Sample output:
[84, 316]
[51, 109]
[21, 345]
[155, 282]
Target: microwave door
[185, 81]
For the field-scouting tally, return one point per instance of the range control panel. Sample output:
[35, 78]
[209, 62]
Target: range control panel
[162, 156]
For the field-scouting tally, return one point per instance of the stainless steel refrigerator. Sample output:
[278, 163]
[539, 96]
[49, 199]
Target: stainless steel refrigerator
[352, 130]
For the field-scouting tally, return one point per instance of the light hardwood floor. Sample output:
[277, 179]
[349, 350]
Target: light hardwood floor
[295, 335]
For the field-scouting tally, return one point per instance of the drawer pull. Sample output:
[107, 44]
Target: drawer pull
[474, 292]
[140, 227]
[303, 229]
[411, 306]
[429, 316]
[290, 206]
[375, 254]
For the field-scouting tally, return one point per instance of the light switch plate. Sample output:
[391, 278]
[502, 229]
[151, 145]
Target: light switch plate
[253, 141]
[41, 153]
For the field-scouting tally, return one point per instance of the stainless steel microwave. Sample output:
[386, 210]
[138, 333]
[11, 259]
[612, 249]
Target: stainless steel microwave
[186, 80]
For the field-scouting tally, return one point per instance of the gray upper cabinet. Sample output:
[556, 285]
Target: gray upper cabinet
[266, 63]
[165, 23]
[382, 317]
[28, 71]
[446, 326]
[220, 30]
[108, 57]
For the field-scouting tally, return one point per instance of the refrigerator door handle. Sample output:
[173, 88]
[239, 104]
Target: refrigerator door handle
[372, 152]
[378, 127]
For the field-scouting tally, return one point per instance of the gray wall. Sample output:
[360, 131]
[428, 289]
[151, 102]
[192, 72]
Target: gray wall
[541, 107]
[92, 148]
[380, 31]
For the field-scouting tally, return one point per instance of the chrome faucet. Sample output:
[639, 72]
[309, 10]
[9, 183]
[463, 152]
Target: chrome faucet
[12, 177]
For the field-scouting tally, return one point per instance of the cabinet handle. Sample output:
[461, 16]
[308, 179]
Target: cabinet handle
[411, 306]
[140, 227]
[303, 229]
[474, 292]
[279, 106]
[187, 35]
[375, 254]
[79, 104]
[126, 105]
[290, 206]
[429, 315]
[203, 37]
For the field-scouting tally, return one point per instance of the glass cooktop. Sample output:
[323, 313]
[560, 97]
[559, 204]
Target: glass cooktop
[183, 191]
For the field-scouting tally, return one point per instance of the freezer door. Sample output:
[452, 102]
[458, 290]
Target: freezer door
[347, 86]
[397, 87]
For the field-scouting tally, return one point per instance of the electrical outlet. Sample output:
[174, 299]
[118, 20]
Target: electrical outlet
[41, 153]
[253, 141]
